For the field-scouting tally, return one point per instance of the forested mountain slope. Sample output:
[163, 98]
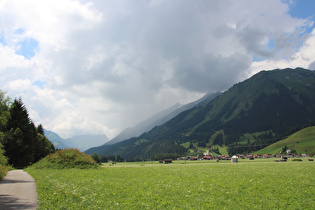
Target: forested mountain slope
[267, 106]
[160, 118]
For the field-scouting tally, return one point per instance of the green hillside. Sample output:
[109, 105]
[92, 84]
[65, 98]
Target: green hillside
[249, 116]
[302, 141]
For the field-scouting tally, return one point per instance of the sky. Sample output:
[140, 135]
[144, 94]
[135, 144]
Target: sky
[100, 66]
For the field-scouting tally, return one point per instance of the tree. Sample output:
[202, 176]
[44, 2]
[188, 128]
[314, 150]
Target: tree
[3, 159]
[43, 147]
[23, 142]
[40, 129]
[13, 146]
[218, 140]
[293, 152]
[4, 111]
[104, 159]
[119, 158]
[20, 142]
[96, 157]
[112, 157]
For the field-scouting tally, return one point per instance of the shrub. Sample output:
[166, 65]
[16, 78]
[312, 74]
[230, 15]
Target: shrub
[3, 171]
[67, 158]
[297, 160]
[3, 159]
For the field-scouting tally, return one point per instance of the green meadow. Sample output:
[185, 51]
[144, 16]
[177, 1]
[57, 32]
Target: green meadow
[302, 141]
[257, 184]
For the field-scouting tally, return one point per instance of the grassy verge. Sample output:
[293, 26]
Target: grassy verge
[200, 185]
[3, 171]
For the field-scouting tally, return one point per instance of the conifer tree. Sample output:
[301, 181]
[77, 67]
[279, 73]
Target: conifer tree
[4, 111]
[24, 143]
[40, 129]
[19, 141]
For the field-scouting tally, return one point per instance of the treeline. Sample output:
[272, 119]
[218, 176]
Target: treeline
[23, 143]
[105, 159]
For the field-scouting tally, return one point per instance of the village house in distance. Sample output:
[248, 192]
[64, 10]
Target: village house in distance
[210, 156]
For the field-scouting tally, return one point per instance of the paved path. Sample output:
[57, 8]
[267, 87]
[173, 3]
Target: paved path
[18, 191]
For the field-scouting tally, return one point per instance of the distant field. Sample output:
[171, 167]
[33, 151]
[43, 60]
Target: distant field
[258, 184]
[302, 141]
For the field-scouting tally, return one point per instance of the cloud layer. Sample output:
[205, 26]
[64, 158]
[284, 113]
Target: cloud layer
[96, 67]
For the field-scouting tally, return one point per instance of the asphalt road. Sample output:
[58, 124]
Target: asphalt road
[18, 191]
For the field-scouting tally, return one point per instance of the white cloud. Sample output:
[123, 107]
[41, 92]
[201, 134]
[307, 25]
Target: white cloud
[106, 65]
[304, 57]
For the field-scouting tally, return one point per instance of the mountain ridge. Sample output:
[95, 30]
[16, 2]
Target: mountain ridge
[270, 102]
[160, 118]
[81, 142]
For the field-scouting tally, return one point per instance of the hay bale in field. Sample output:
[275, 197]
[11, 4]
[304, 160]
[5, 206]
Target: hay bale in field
[310, 159]
[234, 159]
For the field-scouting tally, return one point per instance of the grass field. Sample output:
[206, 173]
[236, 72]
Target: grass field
[258, 184]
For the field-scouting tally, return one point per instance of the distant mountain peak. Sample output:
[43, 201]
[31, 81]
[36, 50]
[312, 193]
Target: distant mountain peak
[81, 142]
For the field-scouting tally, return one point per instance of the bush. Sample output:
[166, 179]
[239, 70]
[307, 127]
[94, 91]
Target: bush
[297, 160]
[67, 158]
[3, 159]
[3, 162]
[3, 171]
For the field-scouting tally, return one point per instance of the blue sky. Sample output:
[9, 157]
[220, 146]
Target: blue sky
[28, 48]
[302, 8]
[97, 67]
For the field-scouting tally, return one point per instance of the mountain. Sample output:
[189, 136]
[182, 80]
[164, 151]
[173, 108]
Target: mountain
[159, 119]
[302, 142]
[249, 116]
[84, 142]
[81, 142]
[57, 141]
